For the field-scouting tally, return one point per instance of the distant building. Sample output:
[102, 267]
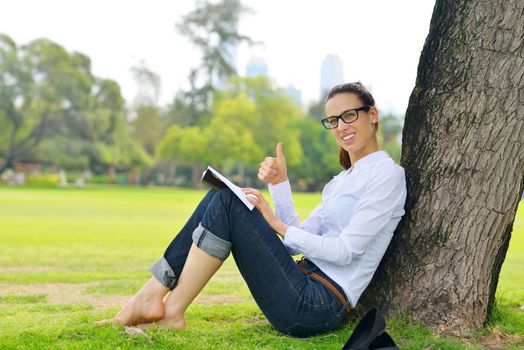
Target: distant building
[295, 93]
[256, 67]
[331, 74]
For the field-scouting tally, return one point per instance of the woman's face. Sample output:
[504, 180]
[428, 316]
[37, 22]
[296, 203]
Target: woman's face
[358, 137]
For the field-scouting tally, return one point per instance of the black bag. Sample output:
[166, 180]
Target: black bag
[369, 334]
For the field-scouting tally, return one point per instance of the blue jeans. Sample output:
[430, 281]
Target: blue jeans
[293, 302]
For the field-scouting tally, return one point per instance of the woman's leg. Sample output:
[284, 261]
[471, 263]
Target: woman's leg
[197, 271]
[169, 267]
[292, 302]
[147, 305]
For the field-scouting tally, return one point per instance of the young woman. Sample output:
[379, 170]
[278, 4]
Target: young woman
[342, 240]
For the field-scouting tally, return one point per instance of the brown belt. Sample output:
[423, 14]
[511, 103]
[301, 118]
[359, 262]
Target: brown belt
[328, 284]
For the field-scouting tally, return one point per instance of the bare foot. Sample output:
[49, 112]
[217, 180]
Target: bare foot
[137, 311]
[176, 322]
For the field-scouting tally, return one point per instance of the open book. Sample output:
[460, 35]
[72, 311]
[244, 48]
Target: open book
[214, 179]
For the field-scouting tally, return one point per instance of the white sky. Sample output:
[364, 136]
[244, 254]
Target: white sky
[378, 41]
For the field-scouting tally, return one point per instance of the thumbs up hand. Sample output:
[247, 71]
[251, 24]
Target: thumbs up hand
[273, 170]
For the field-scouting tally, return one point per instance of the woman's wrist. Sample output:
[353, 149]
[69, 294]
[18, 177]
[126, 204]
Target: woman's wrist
[279, 181]
[280, 228]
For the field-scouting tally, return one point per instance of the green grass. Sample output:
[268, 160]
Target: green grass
[72, 256]
[23, 299]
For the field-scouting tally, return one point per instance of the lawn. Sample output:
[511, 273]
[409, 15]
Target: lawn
[72, 256]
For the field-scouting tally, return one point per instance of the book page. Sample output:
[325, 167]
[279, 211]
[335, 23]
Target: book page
[236, 190]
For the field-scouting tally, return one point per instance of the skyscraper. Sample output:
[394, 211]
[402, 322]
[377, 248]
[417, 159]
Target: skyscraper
[331, 74]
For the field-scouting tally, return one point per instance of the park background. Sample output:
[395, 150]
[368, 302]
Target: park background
[94, 183]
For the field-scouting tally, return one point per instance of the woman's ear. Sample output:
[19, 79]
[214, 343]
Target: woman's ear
[374, 114]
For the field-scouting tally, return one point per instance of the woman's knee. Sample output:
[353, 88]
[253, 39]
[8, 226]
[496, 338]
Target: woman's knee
[209, 196]
[225, 194]
[228, 218]
[211, 242]
[213, 233]
[230, 203]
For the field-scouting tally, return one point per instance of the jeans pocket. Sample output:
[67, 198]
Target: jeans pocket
[316, 295]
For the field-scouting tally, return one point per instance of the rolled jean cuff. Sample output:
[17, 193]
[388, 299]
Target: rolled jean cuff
[164, 273]
[211, 243]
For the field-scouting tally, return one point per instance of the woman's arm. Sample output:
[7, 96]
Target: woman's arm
[384, 194]
[285, 211]
[283, 200]
[285, 207]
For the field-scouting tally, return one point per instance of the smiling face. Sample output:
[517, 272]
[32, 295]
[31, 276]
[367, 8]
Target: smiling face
[359, 137]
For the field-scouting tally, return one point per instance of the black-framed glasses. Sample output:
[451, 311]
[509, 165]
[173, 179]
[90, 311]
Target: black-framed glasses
[347, 117]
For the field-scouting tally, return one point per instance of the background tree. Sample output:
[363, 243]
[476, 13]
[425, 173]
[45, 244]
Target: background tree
[274, 116]
[148, 83]
[212, 28]
[114, 146]
[316, 109]
[45, 92]
[53, 110]
[390, 127]
[319, 162]
[272, 120]
[180, 111]
[147, 125]
[186, 146]
[247, 120]
[14, 85]
[232, 136]
[464, 159]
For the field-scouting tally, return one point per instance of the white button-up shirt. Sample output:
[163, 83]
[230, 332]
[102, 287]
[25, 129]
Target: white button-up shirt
[347, 234]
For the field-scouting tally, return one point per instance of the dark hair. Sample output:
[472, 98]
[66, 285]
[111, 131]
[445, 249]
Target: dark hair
[364, 96]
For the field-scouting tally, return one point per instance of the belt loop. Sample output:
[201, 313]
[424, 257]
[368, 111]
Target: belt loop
[304, 270]
[347, 306]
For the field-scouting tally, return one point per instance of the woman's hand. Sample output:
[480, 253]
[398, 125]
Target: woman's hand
[267, 213]
[273, 170]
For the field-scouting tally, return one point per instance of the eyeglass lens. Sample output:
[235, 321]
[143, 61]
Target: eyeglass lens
[348, 117]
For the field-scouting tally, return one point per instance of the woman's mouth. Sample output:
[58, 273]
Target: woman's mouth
[349, 138]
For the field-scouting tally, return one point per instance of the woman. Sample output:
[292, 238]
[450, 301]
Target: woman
[343, 239]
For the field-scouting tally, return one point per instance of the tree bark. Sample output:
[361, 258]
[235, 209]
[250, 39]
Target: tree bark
[196, 174]
[242, 174]
[463, 154]
[172, 172]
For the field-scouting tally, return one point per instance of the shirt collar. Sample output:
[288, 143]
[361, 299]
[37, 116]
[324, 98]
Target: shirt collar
[369, 159]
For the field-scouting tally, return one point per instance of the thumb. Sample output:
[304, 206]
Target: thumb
[280, 153]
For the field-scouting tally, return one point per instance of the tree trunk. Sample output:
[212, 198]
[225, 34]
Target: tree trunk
[9, 158]
[111, 175]
[132, 176]
[242, 174]
[172, 172]
[463, 153]
[196, 174]
[5, 165]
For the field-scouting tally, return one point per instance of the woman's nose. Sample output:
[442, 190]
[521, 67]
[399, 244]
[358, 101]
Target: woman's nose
[342, 126]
